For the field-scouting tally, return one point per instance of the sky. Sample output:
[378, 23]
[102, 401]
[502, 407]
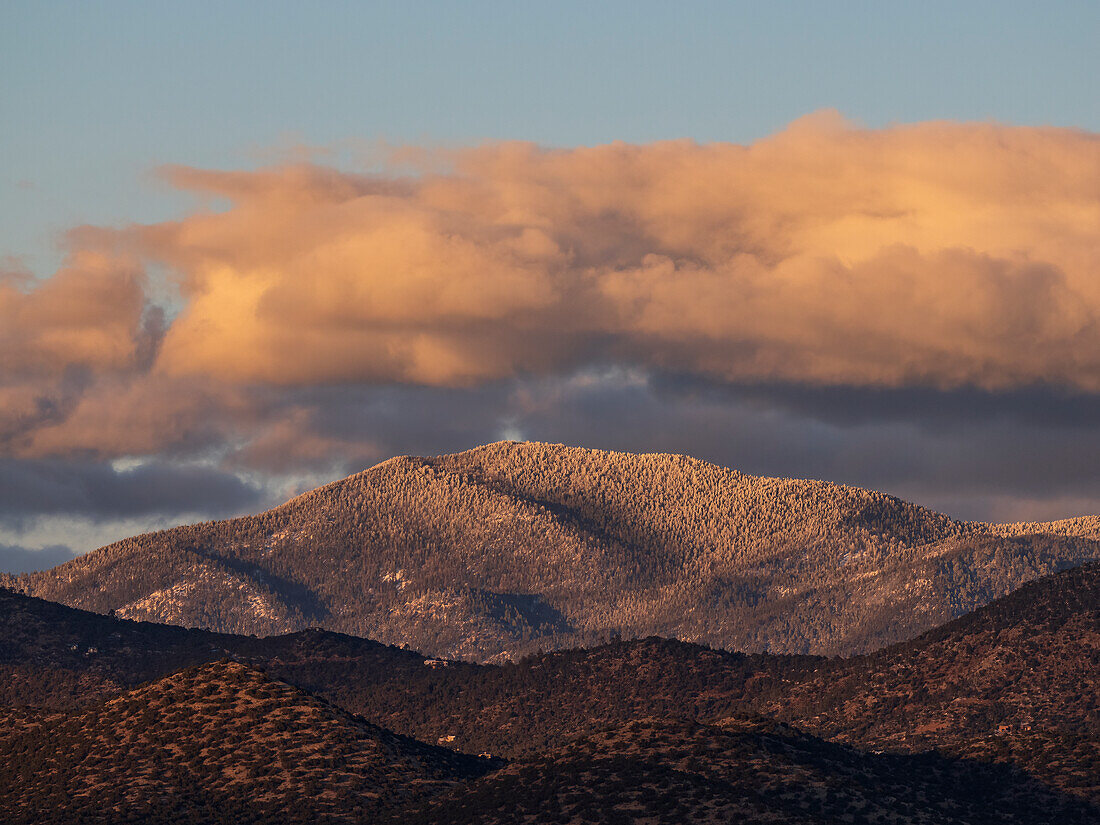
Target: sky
[246, 248]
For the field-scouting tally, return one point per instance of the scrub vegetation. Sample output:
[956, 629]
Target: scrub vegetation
[514, 547]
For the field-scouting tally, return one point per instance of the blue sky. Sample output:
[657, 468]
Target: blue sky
[95, 95]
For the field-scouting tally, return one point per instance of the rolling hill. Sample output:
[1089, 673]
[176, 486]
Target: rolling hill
[57, 657]
[512, 547]
[1017, 681]
[217, 743]
[1013, 682]
[753, 771]
[992, 717]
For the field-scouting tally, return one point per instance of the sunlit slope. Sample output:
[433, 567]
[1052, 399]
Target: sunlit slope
[511, 547]
[1083, 526]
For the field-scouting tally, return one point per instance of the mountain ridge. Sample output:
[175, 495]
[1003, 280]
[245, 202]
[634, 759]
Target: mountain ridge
[510, 547]
[1014, 682]
[1003, 696]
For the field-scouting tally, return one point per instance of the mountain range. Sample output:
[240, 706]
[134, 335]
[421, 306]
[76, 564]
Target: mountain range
[992, 717]
[510, 548]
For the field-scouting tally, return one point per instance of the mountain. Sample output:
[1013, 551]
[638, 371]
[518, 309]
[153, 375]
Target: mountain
[1082, 526]
[513, 547]
[58, 657]
[989, 718]
[1017, 681]
[675, 771]
[217, 743]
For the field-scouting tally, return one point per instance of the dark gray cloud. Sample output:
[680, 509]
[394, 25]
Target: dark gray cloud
[1037, 405]
[998, 456]
[30, 489]
[15, 559]
[977, 455]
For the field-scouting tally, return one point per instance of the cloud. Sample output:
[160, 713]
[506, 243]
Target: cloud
[16, 559]
[89, 315]
[943, 255]
[938, 255]
[32, 489]
[898, 307]
[132, 415]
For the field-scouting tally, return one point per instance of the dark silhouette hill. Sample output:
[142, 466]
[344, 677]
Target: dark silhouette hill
[675, 771]
[1011, 687]
[522, 708]
[1016, 681]
[58, 657]
[513, 547]
[218, 743]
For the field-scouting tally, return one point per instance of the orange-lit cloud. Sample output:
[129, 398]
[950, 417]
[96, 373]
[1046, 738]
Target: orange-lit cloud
[88, 315]
[936, 255]
[939, 254]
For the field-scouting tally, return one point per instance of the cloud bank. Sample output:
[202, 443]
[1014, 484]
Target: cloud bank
[15, 559]
[809, 272]
[938, 254]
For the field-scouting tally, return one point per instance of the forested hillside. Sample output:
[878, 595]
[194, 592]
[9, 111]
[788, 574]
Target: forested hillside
[513, 547]
[990, 718]
[57, 657]
[1017, 681]
[672, 771]
[219, 743]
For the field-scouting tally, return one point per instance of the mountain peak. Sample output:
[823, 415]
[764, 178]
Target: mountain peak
[513, 546]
